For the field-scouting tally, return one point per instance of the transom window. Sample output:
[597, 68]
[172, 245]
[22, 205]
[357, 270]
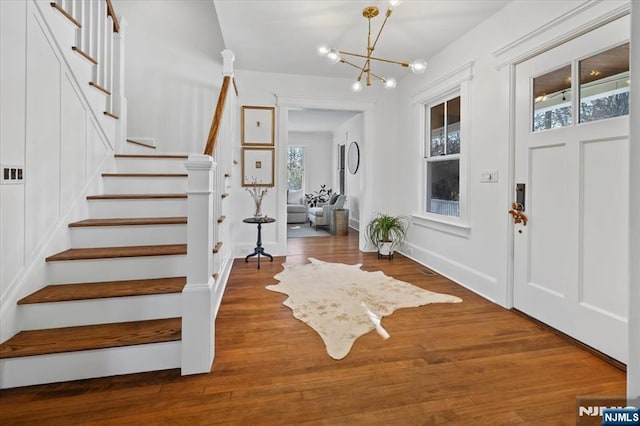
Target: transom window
[603, 91]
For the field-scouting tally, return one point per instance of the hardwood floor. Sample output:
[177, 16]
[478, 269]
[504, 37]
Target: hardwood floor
[469, 363]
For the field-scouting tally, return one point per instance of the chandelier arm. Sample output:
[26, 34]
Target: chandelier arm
[344, 61]
[386, 16]
[404, 64]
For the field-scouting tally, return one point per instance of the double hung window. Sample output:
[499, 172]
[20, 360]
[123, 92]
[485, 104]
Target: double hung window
[443, 157]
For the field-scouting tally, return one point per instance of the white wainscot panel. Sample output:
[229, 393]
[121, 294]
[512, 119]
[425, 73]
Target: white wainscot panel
[72, 143]
[42, 177]
[545, 207]
[96, 148]
[604, 225]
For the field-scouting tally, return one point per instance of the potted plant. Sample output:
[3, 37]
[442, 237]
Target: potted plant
[321, 196]
[387, 233]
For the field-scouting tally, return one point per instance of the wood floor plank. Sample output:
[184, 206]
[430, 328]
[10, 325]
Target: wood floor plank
[101, 336]
[85, 291]
[468, 363]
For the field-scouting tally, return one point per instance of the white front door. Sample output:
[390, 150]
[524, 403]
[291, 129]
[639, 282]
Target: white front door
[571, 258]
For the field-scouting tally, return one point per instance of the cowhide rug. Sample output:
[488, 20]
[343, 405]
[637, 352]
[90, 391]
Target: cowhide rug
[342, 302]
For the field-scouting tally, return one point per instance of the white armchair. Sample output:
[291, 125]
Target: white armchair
[321, 216]
[296, 207]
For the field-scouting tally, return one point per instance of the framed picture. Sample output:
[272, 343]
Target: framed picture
[258, 166]
[258, 125]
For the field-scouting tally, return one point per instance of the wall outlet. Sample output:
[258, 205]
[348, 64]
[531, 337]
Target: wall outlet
[489, 175]
[11, 174]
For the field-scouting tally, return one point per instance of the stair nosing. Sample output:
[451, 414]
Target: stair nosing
[93, 253]
[168, 175]
[119, 336]
[140, 221]
[91, 291]
[135, 196]
[165, 156]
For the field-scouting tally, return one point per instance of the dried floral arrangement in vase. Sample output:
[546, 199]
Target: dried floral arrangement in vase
[257, 193]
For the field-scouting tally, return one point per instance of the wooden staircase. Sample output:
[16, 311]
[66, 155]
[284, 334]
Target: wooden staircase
[112, 303]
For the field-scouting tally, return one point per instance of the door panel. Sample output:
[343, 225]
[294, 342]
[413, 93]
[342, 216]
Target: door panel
[571, 257]
[547, 257]
[604, 208]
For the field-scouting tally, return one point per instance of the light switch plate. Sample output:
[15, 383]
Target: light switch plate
[489, 175]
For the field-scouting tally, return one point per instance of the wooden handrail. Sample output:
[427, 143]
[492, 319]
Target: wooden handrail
[217, 117]
[112, 12]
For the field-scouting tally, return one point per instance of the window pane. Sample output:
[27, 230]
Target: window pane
[437, 130]
[444, 186]
[453, 126]
[552, 100]
[295, 167]
[604, 85]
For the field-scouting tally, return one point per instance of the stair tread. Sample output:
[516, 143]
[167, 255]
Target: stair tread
[130, 221]
[172, 175]
[88, 337]
[146, 145]
[100, 290]
[151, 156]
[134, 196]
[117, 252]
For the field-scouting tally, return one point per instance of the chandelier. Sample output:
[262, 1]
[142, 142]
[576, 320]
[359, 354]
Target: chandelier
[334, 55]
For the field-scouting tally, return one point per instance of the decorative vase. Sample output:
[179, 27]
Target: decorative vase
[258, 212]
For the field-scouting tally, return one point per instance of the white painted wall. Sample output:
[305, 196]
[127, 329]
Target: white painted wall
[350, 131]
[283, 91]
[479, 259]
[318, 160]
[52, 123]
[173, 71]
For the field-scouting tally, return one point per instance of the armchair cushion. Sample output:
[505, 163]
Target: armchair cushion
[295, 196]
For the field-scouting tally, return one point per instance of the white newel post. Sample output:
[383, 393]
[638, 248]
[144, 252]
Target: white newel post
[118, 101]
[197, 296]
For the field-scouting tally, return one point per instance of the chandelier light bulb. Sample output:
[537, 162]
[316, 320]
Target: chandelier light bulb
[323, 50]
[390, 83]
[394, 3]
[418, 66]
[356, 86]
[333, 56]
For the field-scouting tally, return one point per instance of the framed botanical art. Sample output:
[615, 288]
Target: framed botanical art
[258, 125]
[258, 166]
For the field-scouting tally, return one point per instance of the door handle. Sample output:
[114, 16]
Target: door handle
[517, 213]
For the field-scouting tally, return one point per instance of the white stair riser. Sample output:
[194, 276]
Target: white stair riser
[99, 209]
[138, 235]
[33, 370]
[144, 185]
[151, 165]
[117, 269]
[37, 316]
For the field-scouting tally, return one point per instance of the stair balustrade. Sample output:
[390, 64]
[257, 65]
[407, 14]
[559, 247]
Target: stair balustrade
[100, 39]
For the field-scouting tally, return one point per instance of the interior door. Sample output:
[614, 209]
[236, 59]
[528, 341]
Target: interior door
[571, 256]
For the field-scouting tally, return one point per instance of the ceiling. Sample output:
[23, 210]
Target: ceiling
[282, 36]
